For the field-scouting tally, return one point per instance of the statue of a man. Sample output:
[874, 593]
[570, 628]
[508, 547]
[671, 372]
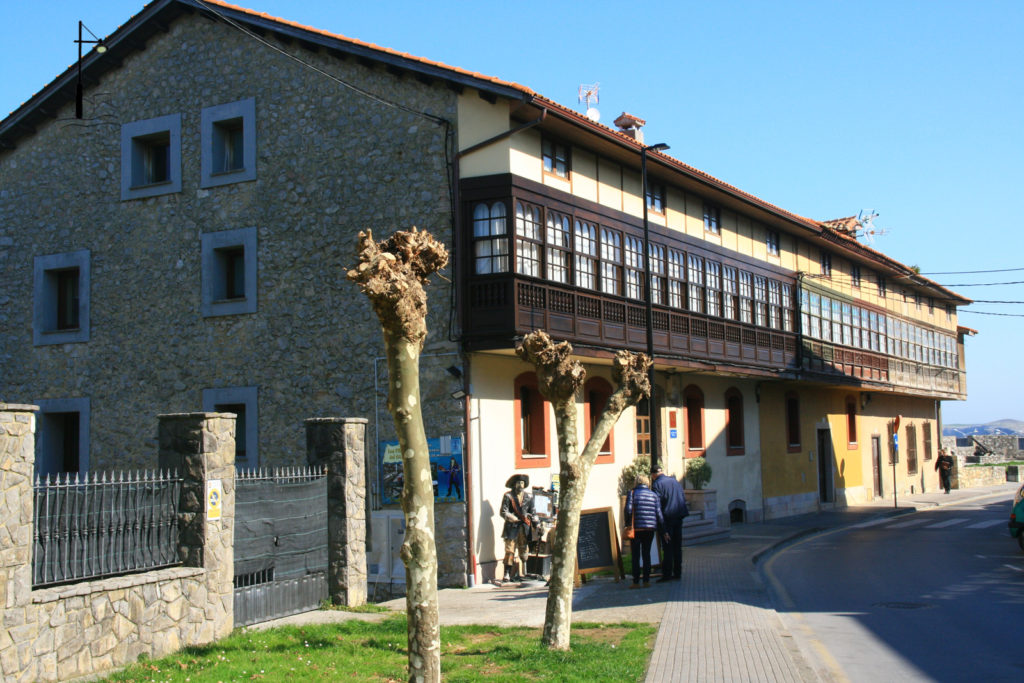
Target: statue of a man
[518, 512]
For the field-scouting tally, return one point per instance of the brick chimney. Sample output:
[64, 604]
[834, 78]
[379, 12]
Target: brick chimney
[631, 126]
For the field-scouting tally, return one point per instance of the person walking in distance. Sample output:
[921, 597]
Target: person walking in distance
[944, 464]
[643, 513]
[673, 510]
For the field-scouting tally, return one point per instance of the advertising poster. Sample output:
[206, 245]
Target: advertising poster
[446, 470]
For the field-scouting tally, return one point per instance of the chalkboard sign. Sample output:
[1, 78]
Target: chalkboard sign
[597, 547]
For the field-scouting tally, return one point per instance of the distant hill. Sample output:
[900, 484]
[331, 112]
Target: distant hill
[995, 427]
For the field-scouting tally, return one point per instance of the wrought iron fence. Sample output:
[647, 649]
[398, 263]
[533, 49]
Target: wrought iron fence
[94, 525]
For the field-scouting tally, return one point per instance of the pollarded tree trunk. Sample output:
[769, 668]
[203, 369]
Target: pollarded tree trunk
[559, 378]
[392, 275]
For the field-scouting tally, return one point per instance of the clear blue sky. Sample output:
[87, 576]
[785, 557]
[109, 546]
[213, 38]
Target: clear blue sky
[913, 109]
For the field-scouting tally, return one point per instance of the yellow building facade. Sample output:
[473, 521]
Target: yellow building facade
[786, 348]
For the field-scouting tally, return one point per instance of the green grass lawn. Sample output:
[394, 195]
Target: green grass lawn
[366, 651]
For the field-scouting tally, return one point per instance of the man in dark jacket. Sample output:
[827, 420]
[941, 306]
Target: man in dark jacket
[944, 464]
[643, 513]
[673, 509]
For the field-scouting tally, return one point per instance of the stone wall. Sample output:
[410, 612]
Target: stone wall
[970, 476]
[329, 163]
[70, 631]
[1004, 447]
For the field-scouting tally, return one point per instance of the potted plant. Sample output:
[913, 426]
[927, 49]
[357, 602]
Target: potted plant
[698, 472]
[699, 499]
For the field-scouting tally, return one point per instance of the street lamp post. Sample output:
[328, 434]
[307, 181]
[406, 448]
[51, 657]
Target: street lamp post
[651, 407]
[100, 48]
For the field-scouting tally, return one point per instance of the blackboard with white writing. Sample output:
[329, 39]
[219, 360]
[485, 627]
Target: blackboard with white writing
[597, 547]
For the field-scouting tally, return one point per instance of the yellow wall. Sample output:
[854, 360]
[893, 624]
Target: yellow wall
[791, 479]
[479, 121]
[734, 477]
[492, 443]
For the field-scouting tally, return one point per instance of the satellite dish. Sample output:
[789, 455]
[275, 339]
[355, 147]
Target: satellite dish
[593, 114]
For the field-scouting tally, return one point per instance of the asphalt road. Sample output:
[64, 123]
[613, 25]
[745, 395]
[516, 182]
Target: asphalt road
[931, 596]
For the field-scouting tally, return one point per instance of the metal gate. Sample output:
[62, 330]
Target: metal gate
[280, 543]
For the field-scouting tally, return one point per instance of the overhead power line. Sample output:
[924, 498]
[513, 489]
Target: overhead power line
[983, 284]
[995, 301]
[1004, 315]
[971, 272]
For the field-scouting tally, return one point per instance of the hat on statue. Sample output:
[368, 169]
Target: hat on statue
[511, 483]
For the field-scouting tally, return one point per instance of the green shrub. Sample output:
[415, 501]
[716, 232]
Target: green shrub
[698, 471]
[627, 478]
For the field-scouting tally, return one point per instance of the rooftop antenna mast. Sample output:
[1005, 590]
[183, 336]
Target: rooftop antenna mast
[589, 95]
[866, 226]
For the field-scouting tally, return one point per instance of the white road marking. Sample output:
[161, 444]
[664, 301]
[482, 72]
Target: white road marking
[986, 524]
[873, 522]
[948, 522]
[1016, 569]
[909, 522]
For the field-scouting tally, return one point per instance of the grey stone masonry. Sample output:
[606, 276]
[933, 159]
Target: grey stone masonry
[201, 446]
[328, 163]
[17, 457]
[340, 443]
[66, 632]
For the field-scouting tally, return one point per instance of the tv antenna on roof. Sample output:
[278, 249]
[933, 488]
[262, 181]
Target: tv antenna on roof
[588, 94]
[866, 226]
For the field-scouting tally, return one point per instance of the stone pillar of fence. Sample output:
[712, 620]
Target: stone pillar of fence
[17, 461]
[340, 444]
[201, 447]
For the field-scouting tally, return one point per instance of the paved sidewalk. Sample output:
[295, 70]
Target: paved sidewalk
[717, 624]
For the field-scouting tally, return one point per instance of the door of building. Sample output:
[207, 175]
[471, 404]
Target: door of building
[825, 465]
[876, 464]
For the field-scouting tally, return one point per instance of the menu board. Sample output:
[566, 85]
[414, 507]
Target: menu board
[597, 547]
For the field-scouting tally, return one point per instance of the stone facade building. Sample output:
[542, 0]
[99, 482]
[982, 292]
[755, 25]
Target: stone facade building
[184, 247]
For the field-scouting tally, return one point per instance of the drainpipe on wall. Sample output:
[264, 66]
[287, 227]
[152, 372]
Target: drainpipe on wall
[501, 136]
[467, 471]
[798, 322]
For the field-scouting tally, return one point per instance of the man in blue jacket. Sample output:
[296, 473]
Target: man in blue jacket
[673, 509]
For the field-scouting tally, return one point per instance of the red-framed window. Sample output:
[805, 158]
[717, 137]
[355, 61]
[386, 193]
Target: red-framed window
[596, 393]
[851, 423]
[793, 443]
[532, 423]
[911, 449]
[693, 407]
[734, 436]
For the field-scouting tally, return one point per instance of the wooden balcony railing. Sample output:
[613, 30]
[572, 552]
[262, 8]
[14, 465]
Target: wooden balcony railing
[503, 307]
